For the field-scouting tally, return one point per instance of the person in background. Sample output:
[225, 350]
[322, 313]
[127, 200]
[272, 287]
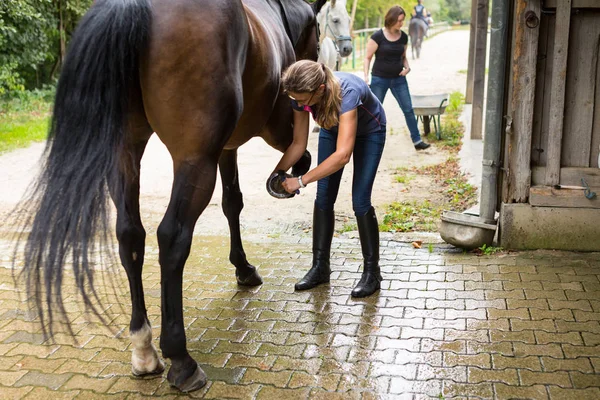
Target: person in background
[419, 11]
[353, 123]
[390, 68]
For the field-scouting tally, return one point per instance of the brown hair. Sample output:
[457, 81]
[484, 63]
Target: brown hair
[391, 17]
[306, 76]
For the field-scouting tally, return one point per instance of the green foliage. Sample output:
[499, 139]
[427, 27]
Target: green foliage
[411, 216]
[456, 102]
[33, 35]
[452, 129]
[489, 250]
[348, 228]
[370, 13]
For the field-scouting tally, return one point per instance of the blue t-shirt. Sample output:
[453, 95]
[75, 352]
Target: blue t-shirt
[357, 95]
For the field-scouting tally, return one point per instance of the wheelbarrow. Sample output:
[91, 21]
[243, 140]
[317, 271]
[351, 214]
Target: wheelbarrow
[427, 108]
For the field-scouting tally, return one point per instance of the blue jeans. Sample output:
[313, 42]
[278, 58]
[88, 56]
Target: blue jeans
[399, 87]
[366, 155]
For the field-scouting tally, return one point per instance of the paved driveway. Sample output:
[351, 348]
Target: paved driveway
[445, 324]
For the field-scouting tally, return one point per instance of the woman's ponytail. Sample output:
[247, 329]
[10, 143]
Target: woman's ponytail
[307, 76]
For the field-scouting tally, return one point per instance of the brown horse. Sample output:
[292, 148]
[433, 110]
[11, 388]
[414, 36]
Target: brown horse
[205, 76]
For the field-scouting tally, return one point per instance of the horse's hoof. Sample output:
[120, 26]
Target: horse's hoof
[159, 369]
[249, 277]
[194, 382]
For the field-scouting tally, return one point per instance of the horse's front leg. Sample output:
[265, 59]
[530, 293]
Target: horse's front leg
[232, 203]
[125, 192]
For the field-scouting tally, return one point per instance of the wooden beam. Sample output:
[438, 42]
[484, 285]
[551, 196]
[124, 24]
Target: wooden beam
[557, 94]
[471, 61]
[545, 196]
[576, 3]
[527, 14]
[479, 69]
[570, 176]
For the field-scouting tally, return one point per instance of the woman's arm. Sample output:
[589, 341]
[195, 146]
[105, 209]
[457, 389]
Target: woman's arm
[406, 68]
[372, 47]
[298, 147]
[337, 160]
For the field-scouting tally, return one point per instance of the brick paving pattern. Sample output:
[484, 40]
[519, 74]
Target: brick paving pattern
[446, 324]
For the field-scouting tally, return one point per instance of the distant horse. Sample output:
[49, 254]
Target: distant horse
[417, 29]
[336, 42]
[205, 76]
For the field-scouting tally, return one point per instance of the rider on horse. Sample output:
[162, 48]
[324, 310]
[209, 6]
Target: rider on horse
[420, 12]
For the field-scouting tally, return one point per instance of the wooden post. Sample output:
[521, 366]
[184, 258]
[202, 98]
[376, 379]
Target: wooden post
[469, 91]
[527, 29]
[557, 95]
[479, 69]
[353, 15]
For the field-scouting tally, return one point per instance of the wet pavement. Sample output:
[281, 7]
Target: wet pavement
[446, 324]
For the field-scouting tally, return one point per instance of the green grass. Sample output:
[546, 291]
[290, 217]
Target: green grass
[404, 175]
[348, 228]
[17, 135]
[24, 119]
[452, 129]
[488, 250]
[409, 216]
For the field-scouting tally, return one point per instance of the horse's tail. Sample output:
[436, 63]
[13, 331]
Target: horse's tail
[69, 201]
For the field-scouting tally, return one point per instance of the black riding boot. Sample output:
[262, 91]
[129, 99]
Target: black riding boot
[368, 230]
[323, 222]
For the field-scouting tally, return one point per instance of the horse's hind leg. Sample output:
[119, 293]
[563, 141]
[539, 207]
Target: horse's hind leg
[193, 185]
[232, 204]
[125, 191]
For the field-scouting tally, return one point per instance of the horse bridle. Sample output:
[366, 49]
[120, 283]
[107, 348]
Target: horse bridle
[337, 37]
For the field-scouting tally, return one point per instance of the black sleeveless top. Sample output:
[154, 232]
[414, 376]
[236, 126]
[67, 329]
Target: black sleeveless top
[389, 56]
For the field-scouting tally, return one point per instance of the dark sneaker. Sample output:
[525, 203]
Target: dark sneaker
[422, 146]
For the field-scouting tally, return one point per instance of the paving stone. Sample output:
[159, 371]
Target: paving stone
[271, 393]
[221, 390]
[99, 385]
[532, 363]
[455, 390]
[557, 393]
[40, 393]
[506, 392]
[35, 378]
[480, 360]
[559, 378]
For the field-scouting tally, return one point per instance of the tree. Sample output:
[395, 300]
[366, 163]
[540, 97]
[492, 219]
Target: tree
[33, 38]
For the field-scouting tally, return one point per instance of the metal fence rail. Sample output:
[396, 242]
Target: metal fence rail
[361, 36]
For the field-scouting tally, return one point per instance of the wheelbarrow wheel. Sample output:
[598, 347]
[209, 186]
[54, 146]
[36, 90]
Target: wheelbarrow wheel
[426, 126]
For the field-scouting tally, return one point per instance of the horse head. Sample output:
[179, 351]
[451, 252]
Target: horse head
[334, 23]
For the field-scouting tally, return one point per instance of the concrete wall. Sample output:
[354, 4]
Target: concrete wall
[525, 227]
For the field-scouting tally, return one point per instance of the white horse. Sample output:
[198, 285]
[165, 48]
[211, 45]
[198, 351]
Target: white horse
[335, 40]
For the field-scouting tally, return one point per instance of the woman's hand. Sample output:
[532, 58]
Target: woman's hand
[291, 185]
[404, 72]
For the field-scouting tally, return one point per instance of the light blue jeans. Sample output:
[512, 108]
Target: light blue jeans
[399, 88]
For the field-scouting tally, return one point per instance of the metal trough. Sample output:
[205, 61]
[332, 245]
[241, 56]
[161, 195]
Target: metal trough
[466, 231]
